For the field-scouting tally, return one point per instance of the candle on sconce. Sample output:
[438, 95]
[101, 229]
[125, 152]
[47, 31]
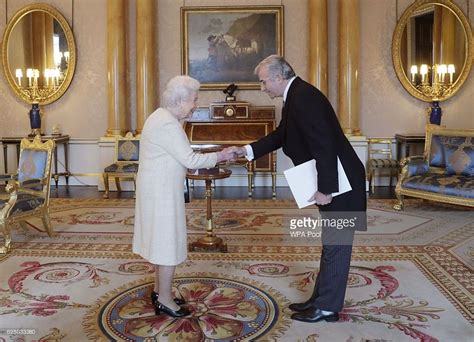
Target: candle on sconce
[414, 71]
[35, 76]
[29, 74]
[451, 71]
[437, 73]
[19, 75]
[423, 72]
[46, 76]
[443, 69]
[66, 55]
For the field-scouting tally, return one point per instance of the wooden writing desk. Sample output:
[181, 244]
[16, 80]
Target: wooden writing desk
[58, 139]
[234, 123]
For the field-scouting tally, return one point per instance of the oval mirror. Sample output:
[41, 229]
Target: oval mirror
[39, 54]
[432, 49]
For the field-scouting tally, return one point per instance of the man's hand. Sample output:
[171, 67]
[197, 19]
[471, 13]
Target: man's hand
[320, 198]
[240, 151]
[227, 154]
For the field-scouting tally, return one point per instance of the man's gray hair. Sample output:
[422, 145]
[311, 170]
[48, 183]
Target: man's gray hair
[277, 66]
[179, 88]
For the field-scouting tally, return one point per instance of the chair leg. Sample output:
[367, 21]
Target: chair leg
[399, 205]
[47, 224]
[5, 249]
[106, 185]
[117, 184]
[134, 186]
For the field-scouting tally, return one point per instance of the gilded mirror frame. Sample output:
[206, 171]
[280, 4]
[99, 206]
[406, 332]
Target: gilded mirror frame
[10, 76]
[417, 6]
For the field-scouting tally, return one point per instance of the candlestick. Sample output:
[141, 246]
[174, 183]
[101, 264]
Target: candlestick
[19, 75]
[29, 74]
[414, 71]
[423, 72]
[451, 72]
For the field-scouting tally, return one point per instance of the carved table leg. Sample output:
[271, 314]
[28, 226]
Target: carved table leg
[210, 242]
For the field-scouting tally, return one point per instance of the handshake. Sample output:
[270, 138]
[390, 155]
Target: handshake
[230, 153]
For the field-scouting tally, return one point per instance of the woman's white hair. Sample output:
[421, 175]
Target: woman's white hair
[179, 88]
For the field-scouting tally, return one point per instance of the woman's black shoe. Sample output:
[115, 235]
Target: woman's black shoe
[154, 299]
[160, 308]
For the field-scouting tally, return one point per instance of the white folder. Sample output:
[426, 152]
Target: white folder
[303, 183]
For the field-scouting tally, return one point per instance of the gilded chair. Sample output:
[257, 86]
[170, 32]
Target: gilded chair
[28, 190]
[127, 152]
[381, 161]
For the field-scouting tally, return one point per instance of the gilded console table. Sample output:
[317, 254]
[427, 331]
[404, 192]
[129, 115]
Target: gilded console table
[58, 139]
[234, 123]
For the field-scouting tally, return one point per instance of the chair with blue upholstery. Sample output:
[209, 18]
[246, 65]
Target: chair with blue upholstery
[28, 189]
[127, 152]
[381, 161]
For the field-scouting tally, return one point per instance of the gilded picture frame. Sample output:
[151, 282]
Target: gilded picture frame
[222, 45]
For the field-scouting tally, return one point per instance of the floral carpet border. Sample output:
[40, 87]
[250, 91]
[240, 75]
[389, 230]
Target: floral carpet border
[437, 263]
[250, 203]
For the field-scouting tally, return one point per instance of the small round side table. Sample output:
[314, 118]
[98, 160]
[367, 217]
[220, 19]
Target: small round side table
[210, 242]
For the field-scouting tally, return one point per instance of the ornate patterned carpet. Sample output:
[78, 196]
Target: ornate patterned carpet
[411, 276]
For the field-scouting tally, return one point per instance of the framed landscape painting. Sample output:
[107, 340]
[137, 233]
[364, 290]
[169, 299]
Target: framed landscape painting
[223, 45]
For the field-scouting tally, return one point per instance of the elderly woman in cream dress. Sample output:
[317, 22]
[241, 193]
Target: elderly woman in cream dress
[160, 221]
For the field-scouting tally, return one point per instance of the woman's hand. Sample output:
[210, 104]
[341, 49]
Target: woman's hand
[227, 154]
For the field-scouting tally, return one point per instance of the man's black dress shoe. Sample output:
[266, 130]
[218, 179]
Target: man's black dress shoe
[298, 307]
[154, 299]
[160, 308]
[315, 315]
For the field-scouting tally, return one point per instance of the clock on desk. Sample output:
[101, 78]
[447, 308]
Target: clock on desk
[229, 110]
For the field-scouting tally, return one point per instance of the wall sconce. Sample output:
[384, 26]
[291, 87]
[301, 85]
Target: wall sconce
[432, 82]
[36, 93]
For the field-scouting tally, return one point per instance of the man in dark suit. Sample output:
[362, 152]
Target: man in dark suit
[309, 129]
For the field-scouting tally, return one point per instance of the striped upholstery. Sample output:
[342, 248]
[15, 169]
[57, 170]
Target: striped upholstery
[380, 160]
[384, 163]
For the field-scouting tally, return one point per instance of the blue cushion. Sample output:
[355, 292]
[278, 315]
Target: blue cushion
[454, 185]
[436, 157]
[418, 167]
[460, 157]
[32, 164]
[120, 167]
[26, 202]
